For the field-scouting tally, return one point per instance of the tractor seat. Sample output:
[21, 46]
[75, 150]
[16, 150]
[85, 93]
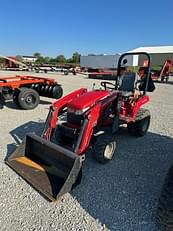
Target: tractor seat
[128, 84]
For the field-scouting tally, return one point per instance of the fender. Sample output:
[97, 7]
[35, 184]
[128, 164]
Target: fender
[143, 100]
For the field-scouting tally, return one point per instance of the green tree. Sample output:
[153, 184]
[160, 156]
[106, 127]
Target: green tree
[60, 59]
[52, 61]
[46, 59]
[76, 57]
[40, 60]
[37, 54]
[70, 60]
[2, 60]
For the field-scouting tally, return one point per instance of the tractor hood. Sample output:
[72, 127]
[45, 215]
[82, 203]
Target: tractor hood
[88, 99]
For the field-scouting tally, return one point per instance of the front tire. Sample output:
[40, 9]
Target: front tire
[104, 148]
[164, 214]
[141, 124]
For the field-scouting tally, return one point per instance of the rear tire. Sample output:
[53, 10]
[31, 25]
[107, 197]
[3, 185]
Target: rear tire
[164, 214]
[28, 98]
[104, 148]
[141, 124]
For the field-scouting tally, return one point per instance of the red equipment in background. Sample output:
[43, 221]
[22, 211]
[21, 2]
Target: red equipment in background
[13, 64]
[163, 73]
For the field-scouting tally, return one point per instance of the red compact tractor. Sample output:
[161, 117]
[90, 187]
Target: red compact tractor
[76, 122]
[26, 90]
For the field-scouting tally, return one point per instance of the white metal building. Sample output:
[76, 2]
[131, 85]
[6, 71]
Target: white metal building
[158, 55]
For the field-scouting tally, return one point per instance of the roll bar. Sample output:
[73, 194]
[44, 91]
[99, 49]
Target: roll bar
[135, 53]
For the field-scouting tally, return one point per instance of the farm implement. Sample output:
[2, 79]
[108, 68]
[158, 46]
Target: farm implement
[26, 90]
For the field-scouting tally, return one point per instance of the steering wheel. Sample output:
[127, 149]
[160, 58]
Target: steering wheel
[104, 84]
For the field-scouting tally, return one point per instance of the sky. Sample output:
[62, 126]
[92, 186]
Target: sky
[54, 27]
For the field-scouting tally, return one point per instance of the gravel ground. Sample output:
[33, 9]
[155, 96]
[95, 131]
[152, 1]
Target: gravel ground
[120, 196]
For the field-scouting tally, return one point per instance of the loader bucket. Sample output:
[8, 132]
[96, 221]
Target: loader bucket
[48, 167]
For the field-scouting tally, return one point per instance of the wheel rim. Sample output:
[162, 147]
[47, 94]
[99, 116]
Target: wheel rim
[30, 100]
[109, 151]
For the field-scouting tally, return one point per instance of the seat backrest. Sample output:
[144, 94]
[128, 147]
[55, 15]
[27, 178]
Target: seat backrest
[128, 82]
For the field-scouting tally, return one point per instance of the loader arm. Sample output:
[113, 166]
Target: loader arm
[90, 122]
[55, 111]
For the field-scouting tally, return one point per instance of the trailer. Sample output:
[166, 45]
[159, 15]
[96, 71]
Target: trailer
[96, 62]
[102, 66]
[107, 75]
[12, 64]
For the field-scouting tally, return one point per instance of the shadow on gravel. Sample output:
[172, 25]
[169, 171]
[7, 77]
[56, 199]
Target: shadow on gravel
[122, 194]
[45, 102]
[169, 82]
[12, 105]
[20, 132]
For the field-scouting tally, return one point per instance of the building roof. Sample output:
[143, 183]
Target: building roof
[154, 50]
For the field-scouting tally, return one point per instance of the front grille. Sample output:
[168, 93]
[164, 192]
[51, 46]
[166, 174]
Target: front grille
[74, 119]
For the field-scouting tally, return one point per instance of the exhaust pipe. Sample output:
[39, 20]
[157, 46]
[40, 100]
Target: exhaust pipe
[49, 168]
